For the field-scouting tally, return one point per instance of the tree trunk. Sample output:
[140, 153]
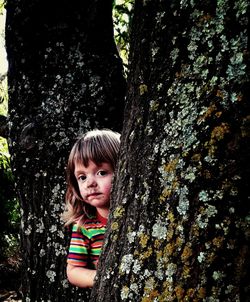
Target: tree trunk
[65, 77]
[3, 126]
[179, 223]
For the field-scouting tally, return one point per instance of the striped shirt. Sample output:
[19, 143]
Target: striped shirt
[86, 242]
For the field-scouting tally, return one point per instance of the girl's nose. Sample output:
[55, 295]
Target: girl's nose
[91, 182]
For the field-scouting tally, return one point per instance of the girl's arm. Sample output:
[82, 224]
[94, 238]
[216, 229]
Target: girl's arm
[80, 276]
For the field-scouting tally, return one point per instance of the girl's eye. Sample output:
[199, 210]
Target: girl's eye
[102, 173]
[81, 177]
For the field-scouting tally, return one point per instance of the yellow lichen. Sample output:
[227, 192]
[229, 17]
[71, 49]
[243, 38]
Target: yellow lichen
[218, 241]
[147, 254]
[149, 284]
[125, 291]
[219, 94]
[169, 249]
[215, 290]
[170, 233]
[154, 105]
[136, 253]
[196, 157]
[211, 257]
[159, 254]
[201, 294]
[143, 89]
[119, 211]
[202, 210]
[179, 242]
[218, 114]
[211, 149]
[168, 191]
[195, 230]
[170, 167]
[179, 291]
[114, 226]
[186, 272]
[129, 229]
[219, 132]
[157, 243]
[144, 240]
[208, 113]
[187, 253]
[185, 153]
[114, 237]
[171, 217]
[165, 294]
[189, 295]
[150, 297]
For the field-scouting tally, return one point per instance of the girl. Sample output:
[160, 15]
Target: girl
[90, 170]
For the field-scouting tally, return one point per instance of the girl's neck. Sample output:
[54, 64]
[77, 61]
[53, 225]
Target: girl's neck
[103, 212]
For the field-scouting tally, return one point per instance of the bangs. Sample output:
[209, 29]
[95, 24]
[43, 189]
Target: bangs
[97, 149]
[86, 151]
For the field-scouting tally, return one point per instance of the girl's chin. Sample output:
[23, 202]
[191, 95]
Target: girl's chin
[98, 203]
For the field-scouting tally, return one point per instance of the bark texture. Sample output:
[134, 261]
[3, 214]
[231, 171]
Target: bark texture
[179, 225]
[3, 126]
[65, 77]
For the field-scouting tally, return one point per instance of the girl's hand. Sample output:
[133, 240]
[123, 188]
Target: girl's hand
[80, 276]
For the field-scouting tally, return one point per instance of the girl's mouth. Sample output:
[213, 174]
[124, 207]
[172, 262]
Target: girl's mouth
[93, 195]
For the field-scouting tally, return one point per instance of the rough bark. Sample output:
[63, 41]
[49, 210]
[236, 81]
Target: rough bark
[3, 126]
[179, 224]
[65, 77]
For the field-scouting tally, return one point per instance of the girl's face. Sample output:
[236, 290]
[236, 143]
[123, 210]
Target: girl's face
[94, 184]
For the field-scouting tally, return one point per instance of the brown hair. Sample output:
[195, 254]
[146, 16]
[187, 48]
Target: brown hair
[98, 146]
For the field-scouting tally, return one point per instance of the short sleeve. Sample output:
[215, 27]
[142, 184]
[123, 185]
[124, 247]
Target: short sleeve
[78, 249]
[96, 246]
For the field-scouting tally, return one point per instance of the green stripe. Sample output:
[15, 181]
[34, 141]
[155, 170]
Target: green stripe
[95, 252]
[78, 249]
[92, 232]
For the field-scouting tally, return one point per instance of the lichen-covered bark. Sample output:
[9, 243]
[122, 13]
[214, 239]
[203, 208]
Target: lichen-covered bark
[179, 225]
[65, 77]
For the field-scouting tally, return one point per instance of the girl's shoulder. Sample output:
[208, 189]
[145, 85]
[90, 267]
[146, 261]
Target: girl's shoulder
[86, 222]
[88, 228]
